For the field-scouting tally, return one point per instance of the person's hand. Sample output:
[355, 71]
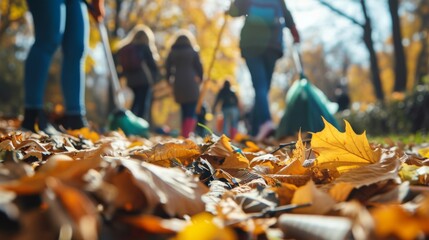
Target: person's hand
[295, 34]
[97, 10]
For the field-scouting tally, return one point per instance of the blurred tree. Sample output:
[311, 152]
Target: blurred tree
[423, 60]
[367, 38]
[400, 66]
[12, 51]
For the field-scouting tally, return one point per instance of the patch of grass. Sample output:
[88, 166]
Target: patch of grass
[418, 138]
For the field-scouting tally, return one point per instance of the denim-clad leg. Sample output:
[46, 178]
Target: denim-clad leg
[49, 22]
[57, 22]
[261, 70]
[74, 47]
[231, 116]
[260, 111]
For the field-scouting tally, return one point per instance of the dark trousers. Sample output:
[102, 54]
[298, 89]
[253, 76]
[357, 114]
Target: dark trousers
[139, 107]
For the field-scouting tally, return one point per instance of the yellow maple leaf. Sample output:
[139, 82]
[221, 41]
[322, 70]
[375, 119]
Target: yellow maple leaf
[342, 151]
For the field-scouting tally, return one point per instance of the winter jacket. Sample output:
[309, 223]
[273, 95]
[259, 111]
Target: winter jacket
[256, 38]
[148, 73]
[185, 71]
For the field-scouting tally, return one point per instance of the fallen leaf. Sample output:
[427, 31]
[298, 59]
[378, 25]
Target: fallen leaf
[224, 156]
[393, 220]
[321, 202]
[178, 193]
[342, 151]
[84, 216]
[386, 169]
[163, 153]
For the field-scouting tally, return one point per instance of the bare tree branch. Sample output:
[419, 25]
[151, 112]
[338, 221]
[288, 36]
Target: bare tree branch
[339, 12]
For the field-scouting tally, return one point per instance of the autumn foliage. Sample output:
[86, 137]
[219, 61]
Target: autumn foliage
[84, 185]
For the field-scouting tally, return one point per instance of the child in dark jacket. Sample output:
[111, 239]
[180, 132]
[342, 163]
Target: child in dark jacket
[230, 109]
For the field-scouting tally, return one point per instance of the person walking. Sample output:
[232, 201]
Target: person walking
[261, 44]
[65, 23]
[230, 109]
[138, 56]
[184, 71]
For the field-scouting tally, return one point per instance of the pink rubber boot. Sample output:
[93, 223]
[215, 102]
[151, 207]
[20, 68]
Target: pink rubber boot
[233, 132]
[188, 126]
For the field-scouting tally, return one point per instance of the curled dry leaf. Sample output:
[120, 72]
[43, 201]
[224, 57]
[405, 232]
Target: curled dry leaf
[386, 169]
[178, 193]
[224, 156]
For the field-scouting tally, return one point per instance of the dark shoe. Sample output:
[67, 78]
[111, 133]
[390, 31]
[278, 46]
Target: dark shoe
[35, 120]
[74, 121]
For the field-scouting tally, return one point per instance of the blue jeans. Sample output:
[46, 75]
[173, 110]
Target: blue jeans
[65, 23]
[231, 116]
[261, 71]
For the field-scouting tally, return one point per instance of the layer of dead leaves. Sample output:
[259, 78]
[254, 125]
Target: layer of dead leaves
[83, 185]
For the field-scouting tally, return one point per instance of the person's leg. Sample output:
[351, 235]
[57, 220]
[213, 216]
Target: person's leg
[48, 19]
[267, 126]
[144, 103]
[270, 60]
[189, 119]
[235, 118]
[227, 118]
[74, 46]
[137, 99]
[260, 112]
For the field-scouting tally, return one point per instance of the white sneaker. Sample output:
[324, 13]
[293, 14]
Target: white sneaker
[265, 130]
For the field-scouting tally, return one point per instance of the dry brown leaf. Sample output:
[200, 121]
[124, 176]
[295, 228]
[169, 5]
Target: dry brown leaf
[321, 202]
[59, 166]
[393, 220]
[363, 223]
[266, 161]
[285, 193]
[384, 170]
[342, 151]
[224, 156]
[78, 207]
[178, 193]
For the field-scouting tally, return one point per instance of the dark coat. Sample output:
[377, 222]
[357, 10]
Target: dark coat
[185, 71]
[148, 73]
[256, 38]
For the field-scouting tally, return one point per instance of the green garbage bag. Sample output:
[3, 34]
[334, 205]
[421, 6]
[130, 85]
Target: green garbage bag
[305, 107]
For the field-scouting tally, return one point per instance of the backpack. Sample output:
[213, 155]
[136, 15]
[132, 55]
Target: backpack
[265, 12]
[130, 58]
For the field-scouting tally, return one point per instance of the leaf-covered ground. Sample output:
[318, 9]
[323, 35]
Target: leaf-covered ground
[84, 185]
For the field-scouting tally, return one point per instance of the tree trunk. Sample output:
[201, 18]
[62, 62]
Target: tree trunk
[400, 66]
[367, 37]
[422, 68]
